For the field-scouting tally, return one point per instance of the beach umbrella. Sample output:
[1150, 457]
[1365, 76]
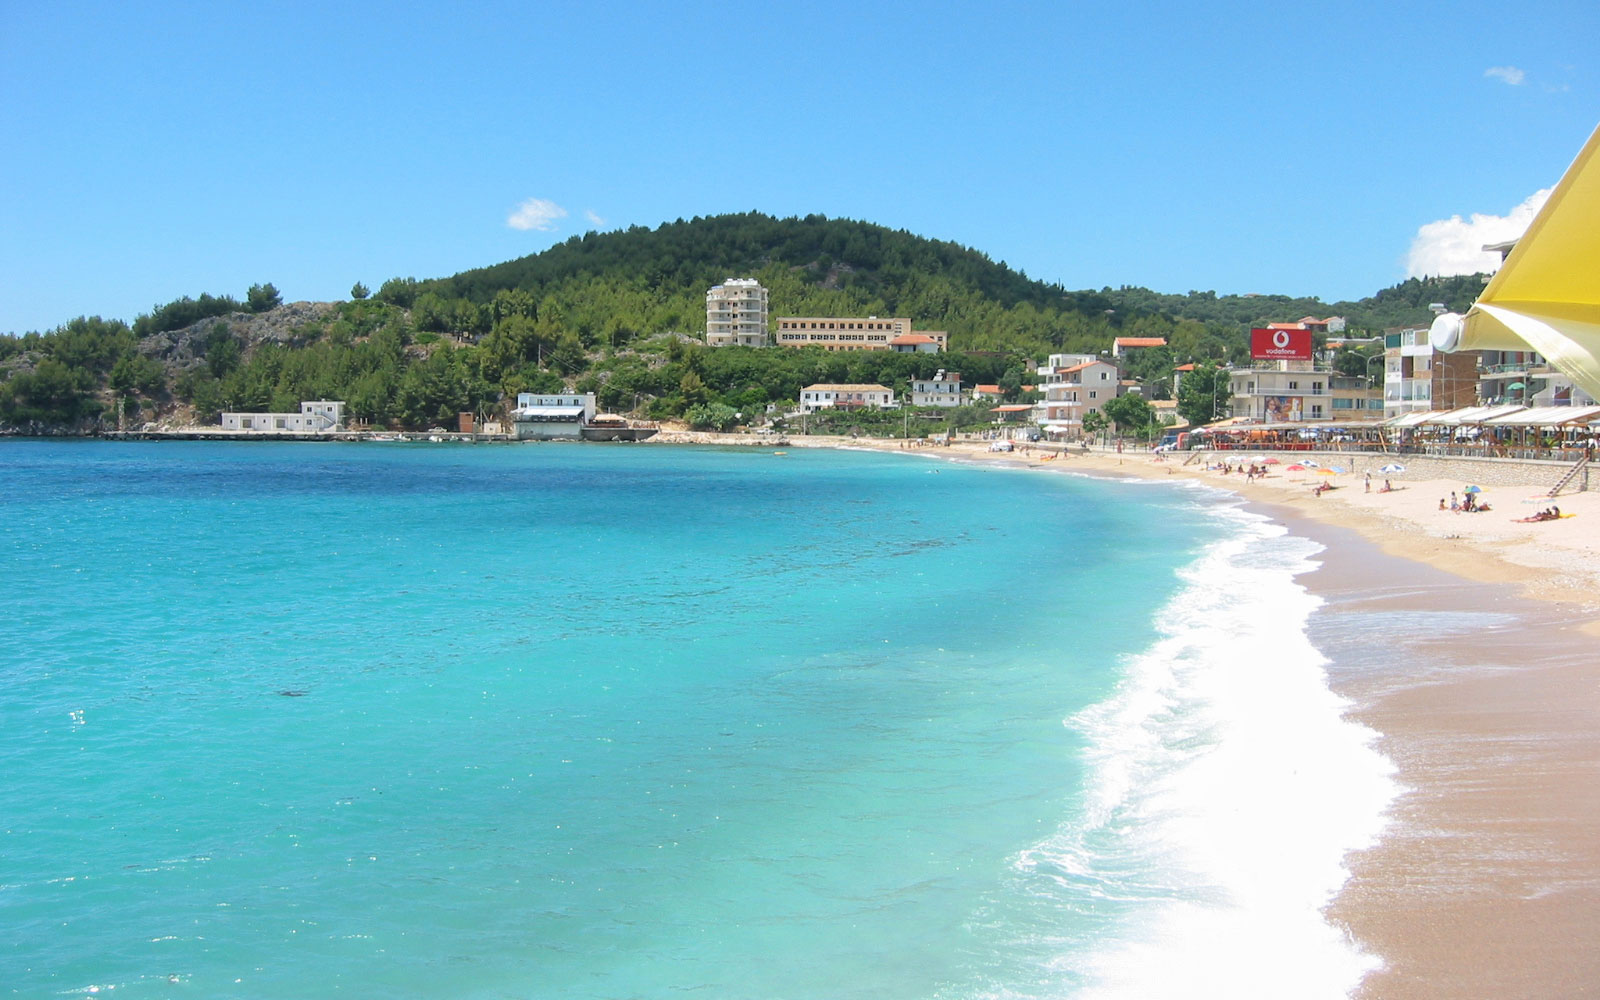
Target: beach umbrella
[1326, 472]
[1473, 489]
[1272, 461]
[1392, 469]
[1297, 467]
[1308, 463]
[1336, 468]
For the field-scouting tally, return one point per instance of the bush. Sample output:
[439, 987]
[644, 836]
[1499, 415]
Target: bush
[712, 417]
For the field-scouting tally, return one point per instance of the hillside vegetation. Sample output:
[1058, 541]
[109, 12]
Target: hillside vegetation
[619, 313]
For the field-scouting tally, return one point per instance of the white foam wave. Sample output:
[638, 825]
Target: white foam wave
[1225, 789]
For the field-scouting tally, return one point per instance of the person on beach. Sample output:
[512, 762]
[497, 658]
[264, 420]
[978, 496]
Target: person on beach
[1454, 504]
[1441, 504]
[1368, 481]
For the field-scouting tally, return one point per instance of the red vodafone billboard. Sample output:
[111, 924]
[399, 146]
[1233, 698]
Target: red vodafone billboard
[1279, 344]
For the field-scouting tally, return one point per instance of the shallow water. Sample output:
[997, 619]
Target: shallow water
[289, 720]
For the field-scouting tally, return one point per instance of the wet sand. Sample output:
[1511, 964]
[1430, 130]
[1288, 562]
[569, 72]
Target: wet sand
[1487, 881]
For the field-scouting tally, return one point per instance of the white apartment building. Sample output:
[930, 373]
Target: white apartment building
[941, 390]
[1072, 391]
[829, 395]
[315, 416]
[1280, 392]
[1525, 377]
[1051, 369]
[1418, 378]
[736, 314]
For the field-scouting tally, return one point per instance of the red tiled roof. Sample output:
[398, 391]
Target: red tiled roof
[1142, 341]
[986, 388]
[913, 338]
[1184, 368]
[1011, 408]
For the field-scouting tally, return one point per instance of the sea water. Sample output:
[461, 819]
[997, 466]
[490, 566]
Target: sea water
[566, 721]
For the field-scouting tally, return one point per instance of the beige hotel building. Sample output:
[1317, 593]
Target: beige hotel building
[844, 333]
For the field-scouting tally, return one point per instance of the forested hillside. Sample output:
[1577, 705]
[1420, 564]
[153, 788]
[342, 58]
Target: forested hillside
[620, 313]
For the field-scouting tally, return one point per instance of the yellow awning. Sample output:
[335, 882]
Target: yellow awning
[1546, 296]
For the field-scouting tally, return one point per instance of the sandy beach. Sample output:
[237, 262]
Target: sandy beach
[1486, 695]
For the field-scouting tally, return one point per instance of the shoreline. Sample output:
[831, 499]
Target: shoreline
[1486, 879]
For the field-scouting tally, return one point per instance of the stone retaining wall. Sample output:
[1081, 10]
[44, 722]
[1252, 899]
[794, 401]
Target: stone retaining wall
[1541, 475]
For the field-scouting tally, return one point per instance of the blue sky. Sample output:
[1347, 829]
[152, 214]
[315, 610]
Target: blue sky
[153, 150]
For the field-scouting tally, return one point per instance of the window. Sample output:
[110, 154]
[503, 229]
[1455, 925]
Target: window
[1294, 385]
[1093, 394]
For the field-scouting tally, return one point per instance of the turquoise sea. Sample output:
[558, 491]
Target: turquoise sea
[568, 721]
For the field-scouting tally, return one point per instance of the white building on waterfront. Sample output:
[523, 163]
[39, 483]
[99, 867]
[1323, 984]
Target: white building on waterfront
[1279, 392]
[318, 416]
[552, 416]
[1073, 391]
[736, 314]
[1417, 378]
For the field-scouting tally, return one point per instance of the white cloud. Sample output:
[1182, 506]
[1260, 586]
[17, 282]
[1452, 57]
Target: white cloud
[536, 213]
[1507, 74]
[1455, 245]
[593, 217]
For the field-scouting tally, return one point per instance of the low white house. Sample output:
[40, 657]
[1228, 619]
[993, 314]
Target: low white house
[830, 395]
[549, 416]
[315, 417]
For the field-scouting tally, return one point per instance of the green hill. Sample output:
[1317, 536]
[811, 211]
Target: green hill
[618, 313]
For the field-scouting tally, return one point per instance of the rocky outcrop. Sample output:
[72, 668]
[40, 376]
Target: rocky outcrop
[186, 347]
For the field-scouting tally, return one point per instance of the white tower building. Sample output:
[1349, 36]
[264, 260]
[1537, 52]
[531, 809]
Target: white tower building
[736, 314]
